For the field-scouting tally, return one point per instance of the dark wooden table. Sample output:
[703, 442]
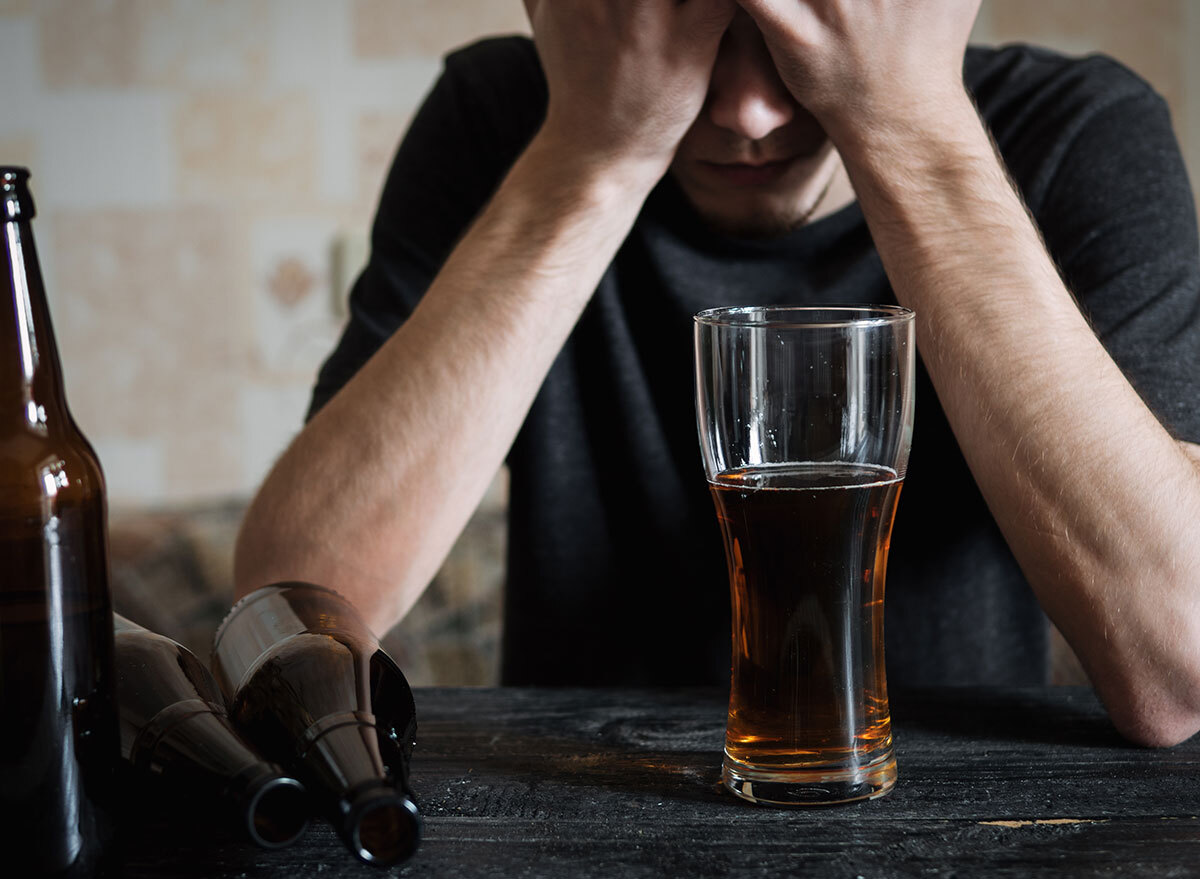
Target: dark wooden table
[616, 783]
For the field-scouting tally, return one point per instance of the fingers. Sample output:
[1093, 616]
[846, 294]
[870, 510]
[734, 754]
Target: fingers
[769, 13]
[706, 18]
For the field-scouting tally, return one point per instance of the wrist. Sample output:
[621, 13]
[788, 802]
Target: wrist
[561, 210]
[918, 128]
[593, 170]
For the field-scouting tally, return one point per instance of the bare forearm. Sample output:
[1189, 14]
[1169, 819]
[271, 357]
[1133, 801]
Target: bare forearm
[376, 488]
[1093, 495]
[372, 494]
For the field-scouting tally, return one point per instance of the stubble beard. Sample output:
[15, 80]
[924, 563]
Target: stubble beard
[766, 225]
[773, 216]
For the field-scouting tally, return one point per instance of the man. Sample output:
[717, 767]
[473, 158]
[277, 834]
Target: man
[559, 216]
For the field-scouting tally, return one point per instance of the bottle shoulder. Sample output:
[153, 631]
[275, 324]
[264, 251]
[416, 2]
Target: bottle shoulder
[37, 465]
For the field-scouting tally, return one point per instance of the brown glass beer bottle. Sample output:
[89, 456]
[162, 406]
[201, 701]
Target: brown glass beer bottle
[58, 739]
[179, 745]
[307, 682]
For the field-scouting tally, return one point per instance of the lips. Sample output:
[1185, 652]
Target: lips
[749, 174]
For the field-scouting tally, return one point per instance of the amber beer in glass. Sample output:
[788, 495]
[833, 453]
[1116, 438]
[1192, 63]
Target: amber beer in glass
[805, 421]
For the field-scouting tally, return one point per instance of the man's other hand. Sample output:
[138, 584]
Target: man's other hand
[867, 63]
[626, 77]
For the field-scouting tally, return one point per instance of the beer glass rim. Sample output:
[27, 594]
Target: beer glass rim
[804, 316]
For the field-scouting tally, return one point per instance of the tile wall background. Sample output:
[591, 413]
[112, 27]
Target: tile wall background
[198, 162]
[205, 173]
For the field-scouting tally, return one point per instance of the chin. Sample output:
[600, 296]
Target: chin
[746, 213]
[758, 221]
[758, 210]
[762, 227]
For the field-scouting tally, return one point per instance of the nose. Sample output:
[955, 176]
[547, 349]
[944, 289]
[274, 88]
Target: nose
[746, 95]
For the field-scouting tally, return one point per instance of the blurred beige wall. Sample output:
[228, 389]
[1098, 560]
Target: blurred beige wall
[205, 171]
[1159, 39]
[196, 165]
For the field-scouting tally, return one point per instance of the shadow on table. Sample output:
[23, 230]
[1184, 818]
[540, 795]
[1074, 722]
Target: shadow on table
[162, 838]
[542, 761]
[655, 745]
[645, 748]
[1070, 716]
[517, 757]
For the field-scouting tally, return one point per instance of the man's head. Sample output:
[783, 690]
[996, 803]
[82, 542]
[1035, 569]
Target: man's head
[755, 163]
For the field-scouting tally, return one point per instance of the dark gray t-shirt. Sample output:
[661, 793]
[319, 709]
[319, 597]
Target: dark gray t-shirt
[616, 573]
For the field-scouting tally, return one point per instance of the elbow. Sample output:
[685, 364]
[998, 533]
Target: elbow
[1157, 716]
[253, 554]
[1147, 671]
[1157, 730]
[243, 569]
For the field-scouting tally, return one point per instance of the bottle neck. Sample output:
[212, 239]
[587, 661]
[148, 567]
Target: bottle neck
[31, 386]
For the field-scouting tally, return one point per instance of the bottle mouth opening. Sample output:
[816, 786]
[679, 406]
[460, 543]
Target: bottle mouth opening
[386, 832]
[279, 813]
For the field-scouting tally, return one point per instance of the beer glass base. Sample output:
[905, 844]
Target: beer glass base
[810, 787]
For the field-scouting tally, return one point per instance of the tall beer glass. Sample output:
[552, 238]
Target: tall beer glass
[805, 420]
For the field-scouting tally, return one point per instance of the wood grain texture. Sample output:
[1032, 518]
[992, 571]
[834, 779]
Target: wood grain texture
[616, 783]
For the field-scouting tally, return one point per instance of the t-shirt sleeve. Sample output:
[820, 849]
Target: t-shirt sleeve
[479, 116]
[1120, 220]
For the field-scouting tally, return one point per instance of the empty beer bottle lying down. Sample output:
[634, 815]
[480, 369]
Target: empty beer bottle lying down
[303, 714]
